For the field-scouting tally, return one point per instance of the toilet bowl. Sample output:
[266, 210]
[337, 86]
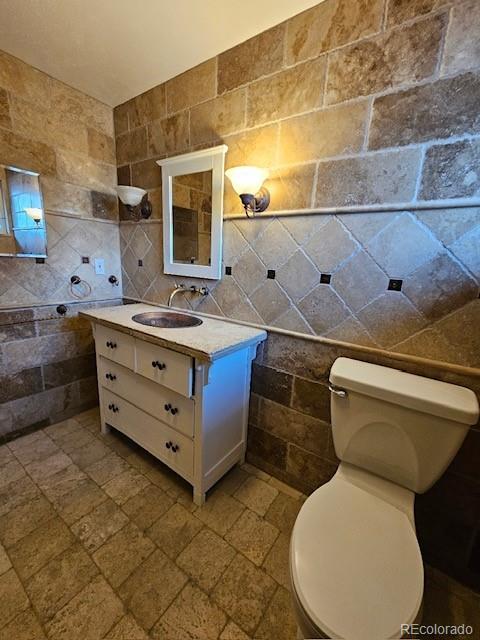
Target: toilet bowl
[356, 568]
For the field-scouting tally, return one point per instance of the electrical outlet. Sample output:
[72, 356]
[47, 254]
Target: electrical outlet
[99, 266]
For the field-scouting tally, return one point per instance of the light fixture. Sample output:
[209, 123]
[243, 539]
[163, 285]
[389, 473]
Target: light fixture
[247, 182]
[136, 201]
[35, 214]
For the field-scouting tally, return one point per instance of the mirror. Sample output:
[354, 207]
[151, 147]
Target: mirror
[193, 213]
[192, 218]
[22, 217]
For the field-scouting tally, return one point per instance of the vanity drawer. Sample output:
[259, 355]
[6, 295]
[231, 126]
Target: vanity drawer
[115, 345]
[149, 396]
[150, 433]
[169, 368]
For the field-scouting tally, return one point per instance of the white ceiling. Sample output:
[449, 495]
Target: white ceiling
[115, 49]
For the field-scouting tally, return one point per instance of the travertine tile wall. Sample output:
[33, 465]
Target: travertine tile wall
[350, 103]
[47, 365]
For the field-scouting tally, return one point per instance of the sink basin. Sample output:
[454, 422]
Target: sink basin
[167, 319]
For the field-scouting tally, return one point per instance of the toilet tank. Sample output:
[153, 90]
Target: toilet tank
[402, 427]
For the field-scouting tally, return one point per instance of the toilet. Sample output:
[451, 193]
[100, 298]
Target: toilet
[356, 568]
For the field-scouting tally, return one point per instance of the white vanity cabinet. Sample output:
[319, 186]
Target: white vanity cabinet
[189, 412]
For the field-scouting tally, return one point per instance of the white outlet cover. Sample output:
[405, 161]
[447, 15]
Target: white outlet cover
[99, 266]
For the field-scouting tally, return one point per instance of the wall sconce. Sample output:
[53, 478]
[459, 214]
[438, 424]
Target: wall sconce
[136, 201]
[247, 182]
[35, 214]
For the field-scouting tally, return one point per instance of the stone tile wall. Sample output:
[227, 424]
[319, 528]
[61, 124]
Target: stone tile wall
[67, 137]
[47, 367]
[366, 104]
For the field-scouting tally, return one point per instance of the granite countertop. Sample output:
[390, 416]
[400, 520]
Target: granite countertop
[208, 341]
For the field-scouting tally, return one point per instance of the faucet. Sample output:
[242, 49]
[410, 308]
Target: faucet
[202, 291]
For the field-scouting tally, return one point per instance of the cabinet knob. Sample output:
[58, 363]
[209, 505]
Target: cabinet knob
[167, 407]
[107, 376]
[110, 406]
[108, 343]
[110, 376]
[168, 445]
[175, 448]
[115, 409]
[173, 411]
[158, 365]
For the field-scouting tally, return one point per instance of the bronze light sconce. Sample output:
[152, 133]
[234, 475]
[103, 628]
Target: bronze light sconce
[136, 201]
[248, 183]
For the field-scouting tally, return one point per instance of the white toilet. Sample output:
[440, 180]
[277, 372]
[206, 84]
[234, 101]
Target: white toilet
[355, 565]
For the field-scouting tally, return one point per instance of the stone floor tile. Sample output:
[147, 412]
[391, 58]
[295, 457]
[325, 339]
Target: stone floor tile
[219, 512]
[90, 453]
[125, 485]
[17, 493]
[26, 441]
[89, 615]
[233, 632]
[254, 471]
[41, 469]
[244, 592]
[24, 627]
[151, 588]
[256, 494]
[5, 455]
[5, 563]
[283, 512]
[285, 488]
[126, 629]
[62, 482]
[117, 442]
[106, 469]
[279, 620]
[31, 449]
[252, 536]
[276, 562]
[206, 558]
[13, 598]
[231, 481]
[60, 429]
[88, 416]
[123, 553]
[32, 552]
[147, 506]
[57, 582]
[75, 439]
[99, 525]
[10, 472]
[192, 615]
[19, 522]
[163, 477]
[79, 501]
[94, 426]
[174, 530]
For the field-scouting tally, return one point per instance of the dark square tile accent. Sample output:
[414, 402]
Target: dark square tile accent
[228, 271]
[325, 278]
[272, 384]
[395, 285]
[40, 260]
[57, 374]
[21, 384]
[271, 274]
[104, 205]
[85, 260]
[140, 263]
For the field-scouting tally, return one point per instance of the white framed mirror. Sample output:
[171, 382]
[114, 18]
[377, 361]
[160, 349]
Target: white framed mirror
[192, 192]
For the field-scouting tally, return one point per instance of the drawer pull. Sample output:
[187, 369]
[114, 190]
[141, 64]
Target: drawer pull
[110, 376]
[168, 445]
[111, 345]
[167, 407]
[113, 408]
[175, 448]
[158, 365]
[173, 410]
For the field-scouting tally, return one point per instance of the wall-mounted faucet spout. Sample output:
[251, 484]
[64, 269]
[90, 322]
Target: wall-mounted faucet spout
[202, 291]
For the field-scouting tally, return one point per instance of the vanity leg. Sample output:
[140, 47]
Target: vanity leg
[199, 497]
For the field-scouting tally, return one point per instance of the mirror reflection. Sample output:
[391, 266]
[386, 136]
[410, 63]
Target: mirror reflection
[192, 217]
[22, 217]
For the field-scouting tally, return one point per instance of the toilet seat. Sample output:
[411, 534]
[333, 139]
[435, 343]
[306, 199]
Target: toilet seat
[355, 563]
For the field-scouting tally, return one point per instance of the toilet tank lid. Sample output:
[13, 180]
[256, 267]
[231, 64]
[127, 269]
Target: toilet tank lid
[448, 401]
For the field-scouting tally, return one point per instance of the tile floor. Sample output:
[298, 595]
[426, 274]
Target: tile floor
[99, 540]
